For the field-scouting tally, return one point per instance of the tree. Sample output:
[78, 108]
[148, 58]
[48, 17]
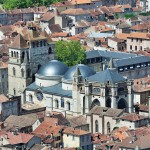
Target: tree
[70, 52]
[128, 16]
[11, 4]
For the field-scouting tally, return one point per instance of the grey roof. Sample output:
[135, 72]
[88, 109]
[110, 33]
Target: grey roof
[55, 89]
[85, 71]
[101, 111]
[99, 35]
[131, 61]
[53, 68]
[110, 75]
[108, 54]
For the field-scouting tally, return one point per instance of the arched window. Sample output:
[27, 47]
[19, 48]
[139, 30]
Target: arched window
[50, 50]
[84, 105]
[22, 56]
[62, 102]
[41, 43]
[108, 127]
[14, 91]
[96, 126]
[14, 71]
[37, 43]
[56, 103]
[39, 66]
[33, 44]
[68, 105]
[17, 55]
[12, 54]
[28, 72]
[44, 43]
[30, 98]
[22, 72]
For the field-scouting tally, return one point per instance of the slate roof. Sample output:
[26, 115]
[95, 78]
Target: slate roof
[99, 35]
[131, 61]
[107, 75]
[108, 54]
[55, 90]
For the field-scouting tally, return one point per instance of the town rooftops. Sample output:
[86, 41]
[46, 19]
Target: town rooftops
[110, 76]
[76, 132]
[18, 138]
[131, 60]
[108, 54]
[105, 111]
[21, 121]
[139, 35]
[3, 98]
[74, 12]
[132, 142]
[132, 117]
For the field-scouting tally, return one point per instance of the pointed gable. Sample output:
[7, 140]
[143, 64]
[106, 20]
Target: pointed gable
[19, 42]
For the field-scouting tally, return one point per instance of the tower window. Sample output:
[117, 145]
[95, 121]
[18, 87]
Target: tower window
[12, 54]
[62, 102]
[33, 44]
[22, 72]
[17, 55]
[68, 105]
[56, 103]
[96, 126]
[14, 71]
[41, 44]
[50, 50]
[37, 44]
[14, 92]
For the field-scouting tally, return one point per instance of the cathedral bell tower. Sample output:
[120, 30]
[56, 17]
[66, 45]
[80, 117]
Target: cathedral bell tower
[77, 85]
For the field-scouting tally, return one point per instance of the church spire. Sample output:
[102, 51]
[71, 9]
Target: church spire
[25, 61]
[111, 63]
[77, 72]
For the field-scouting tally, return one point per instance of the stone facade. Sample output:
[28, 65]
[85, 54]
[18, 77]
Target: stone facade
[26, 60]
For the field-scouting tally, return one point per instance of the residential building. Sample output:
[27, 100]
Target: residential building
[16, 140]
[24, 123]
[77, 138]
[3, 78]
[9, 106]
[138, 41]
[52, 133]
[117, 44]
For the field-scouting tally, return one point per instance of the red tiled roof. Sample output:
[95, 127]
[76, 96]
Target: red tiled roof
[3, 98]
[17, 138]
[77, 132]
[132, 117]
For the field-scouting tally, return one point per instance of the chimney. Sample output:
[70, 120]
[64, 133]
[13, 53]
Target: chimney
[149, 107]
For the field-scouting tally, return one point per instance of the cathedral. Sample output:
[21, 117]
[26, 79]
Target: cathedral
[51, 84]
[74, 91]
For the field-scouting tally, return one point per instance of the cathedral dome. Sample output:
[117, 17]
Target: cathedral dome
[53, 68]
[85, 72]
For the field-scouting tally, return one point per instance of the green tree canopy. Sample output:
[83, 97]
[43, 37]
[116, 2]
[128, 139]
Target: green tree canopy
[130, 15]
[70, 52]
[11, 4]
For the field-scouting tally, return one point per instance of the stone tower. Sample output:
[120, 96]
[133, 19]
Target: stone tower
[77, 84]
[26, 54]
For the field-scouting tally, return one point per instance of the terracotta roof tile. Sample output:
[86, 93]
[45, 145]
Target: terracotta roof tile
[18, 138]
[3, 98]
[132, 117]
[73, 131]
[19, 42]
[77, 11]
